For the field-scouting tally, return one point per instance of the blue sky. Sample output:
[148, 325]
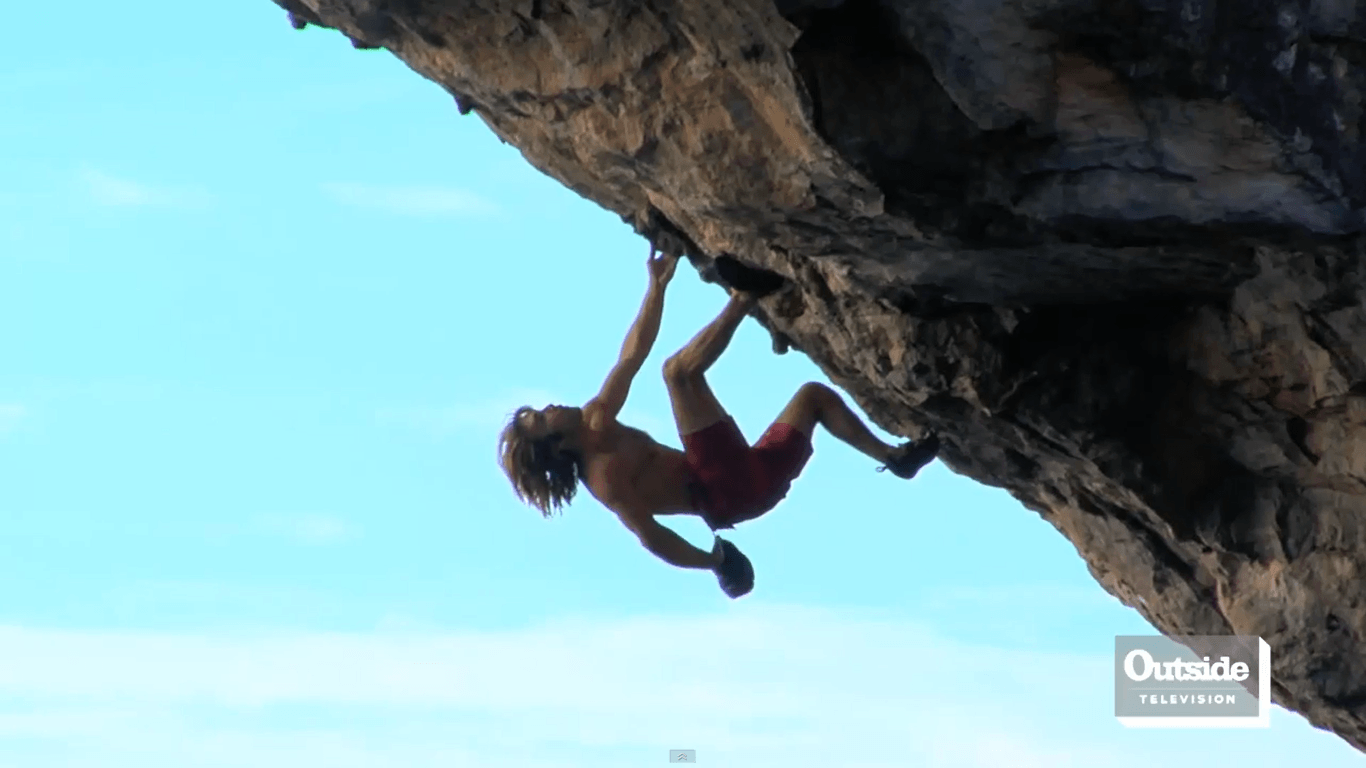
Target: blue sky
[264, 302]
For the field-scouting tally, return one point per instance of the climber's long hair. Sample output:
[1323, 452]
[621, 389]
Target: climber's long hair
[543, 474]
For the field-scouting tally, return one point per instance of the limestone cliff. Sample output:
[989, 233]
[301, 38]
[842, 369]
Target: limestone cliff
[1110, 251]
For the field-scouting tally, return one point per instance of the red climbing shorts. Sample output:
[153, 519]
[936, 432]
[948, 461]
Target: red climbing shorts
[734, 481]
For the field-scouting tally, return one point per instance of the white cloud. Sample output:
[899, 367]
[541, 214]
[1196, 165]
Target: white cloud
[1024, 596]
[16, 81]
[113, 191]
[483, 415]
[751, 685]
[311, 529]
[10, 416]
[492, 413]
[783, 682]
[410, 200]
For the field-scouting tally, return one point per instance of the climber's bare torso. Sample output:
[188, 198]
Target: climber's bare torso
[629, 472]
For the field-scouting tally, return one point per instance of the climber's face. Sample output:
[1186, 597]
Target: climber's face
[550, 420]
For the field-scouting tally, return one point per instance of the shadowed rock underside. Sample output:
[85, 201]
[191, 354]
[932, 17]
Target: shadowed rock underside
[1110, 251]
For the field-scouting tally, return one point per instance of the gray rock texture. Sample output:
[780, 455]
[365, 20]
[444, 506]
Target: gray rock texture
[1110, 251]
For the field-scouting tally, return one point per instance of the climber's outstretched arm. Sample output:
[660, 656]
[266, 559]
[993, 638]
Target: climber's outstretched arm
[668, 546]
[640, 340]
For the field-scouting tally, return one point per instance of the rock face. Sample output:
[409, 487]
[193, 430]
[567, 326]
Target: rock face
[1111, 251]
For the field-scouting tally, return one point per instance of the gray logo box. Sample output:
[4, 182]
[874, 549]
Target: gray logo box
[1172, 684]
[688, 756]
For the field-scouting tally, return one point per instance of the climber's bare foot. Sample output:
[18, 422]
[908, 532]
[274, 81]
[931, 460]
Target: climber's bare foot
[912, 456]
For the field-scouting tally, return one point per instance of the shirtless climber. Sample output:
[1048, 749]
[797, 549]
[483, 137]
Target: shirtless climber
[718, 476]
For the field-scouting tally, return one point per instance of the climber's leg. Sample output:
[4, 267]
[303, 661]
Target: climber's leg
[786, 446]
[815, 404]
[723, 469]
[695, 407]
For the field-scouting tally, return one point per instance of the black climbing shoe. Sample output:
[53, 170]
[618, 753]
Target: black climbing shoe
[912, 457]
[736, 573]
[758, 283]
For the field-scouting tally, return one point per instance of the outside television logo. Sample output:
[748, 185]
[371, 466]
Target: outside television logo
[1195, 681]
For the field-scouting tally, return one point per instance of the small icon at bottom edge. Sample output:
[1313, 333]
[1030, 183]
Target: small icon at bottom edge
[682, 755]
